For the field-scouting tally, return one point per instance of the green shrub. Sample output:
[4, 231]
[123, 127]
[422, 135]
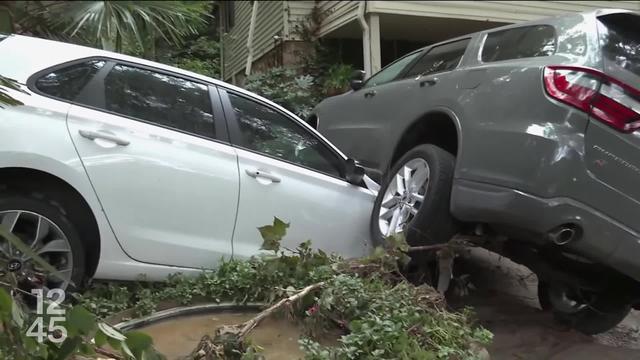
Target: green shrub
[201, 56]
[381, 314]
[336, 79]
[284, 86]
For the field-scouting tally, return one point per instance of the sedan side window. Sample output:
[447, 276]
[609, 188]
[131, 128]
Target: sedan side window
[439, 59]
[269, 132]
[392, 71]
[67, 83]
[160, 99]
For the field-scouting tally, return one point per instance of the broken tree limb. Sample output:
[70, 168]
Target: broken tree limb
[108, 353]
[456, 242]
[446, 254]
[234, 335]
[250, 324]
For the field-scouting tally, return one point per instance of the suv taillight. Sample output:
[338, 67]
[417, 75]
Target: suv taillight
[605, 98]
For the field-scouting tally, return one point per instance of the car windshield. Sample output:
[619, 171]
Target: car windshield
[620, 42]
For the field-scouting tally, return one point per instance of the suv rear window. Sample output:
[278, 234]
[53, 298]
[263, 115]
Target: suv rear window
[620, 41]
[517, 43]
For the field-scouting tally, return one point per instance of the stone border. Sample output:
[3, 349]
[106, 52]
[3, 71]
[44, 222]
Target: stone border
[185, 311]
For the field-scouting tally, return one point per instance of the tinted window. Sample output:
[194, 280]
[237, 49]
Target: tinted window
[269, 132]
[66, 83]
[441, 58]
[620, 41]
[161, 99]
[390, 72]
[523, 42]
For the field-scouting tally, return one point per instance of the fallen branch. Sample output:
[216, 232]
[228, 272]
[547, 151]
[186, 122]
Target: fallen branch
[234, 335]
[107, 353]
[250, 324]
[458, 241]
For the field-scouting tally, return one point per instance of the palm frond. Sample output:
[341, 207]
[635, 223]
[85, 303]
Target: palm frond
[5, 98]
[112, 22]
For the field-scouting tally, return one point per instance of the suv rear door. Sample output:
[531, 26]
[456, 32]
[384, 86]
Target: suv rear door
[613, 156]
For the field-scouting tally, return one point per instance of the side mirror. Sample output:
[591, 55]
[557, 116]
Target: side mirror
[354, 173]
[357, 79]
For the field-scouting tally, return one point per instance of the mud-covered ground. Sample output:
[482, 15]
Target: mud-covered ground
[506, 303]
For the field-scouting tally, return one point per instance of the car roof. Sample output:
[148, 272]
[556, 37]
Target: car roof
[30, 60]
[550, 20]
[60, 52]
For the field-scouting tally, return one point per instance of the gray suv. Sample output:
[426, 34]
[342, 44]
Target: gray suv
[528, 132]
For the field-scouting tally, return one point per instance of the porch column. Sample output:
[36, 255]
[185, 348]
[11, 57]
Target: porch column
[374, 46]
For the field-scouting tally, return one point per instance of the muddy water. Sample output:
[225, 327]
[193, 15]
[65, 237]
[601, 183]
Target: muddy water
[178, 337]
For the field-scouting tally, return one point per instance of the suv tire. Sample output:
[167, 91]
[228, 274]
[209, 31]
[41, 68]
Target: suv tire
[432, 223]
[605, 312]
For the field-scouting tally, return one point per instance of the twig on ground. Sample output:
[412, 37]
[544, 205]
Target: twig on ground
[214, 348]
[249, 325]
[109, 354]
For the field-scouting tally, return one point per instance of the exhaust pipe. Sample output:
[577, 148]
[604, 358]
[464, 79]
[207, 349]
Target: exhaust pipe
[564, 234]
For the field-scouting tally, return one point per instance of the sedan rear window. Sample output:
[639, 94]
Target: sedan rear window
[160, 99]
[517, 43]
[67, 83]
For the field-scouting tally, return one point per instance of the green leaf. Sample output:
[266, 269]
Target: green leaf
[6, 302]
[80, 321]
[111, 332]
[138, 343]
[5, 98]
[272, 234]
[131, 24]
[100, 338]
[26, 250]
[69, 346]
[17, 314]
[86, 349]
[125, 348]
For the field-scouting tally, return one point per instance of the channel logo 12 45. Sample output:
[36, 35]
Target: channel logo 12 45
[49, 321]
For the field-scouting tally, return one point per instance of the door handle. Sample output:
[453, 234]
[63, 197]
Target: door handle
[263, 174]
[428, 82]
[370, 93]
[92, 135]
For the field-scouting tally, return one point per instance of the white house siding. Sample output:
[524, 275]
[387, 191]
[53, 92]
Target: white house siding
[336, 14]
[297, 16]
[269, 23]
[500, 11]
[281, 18]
